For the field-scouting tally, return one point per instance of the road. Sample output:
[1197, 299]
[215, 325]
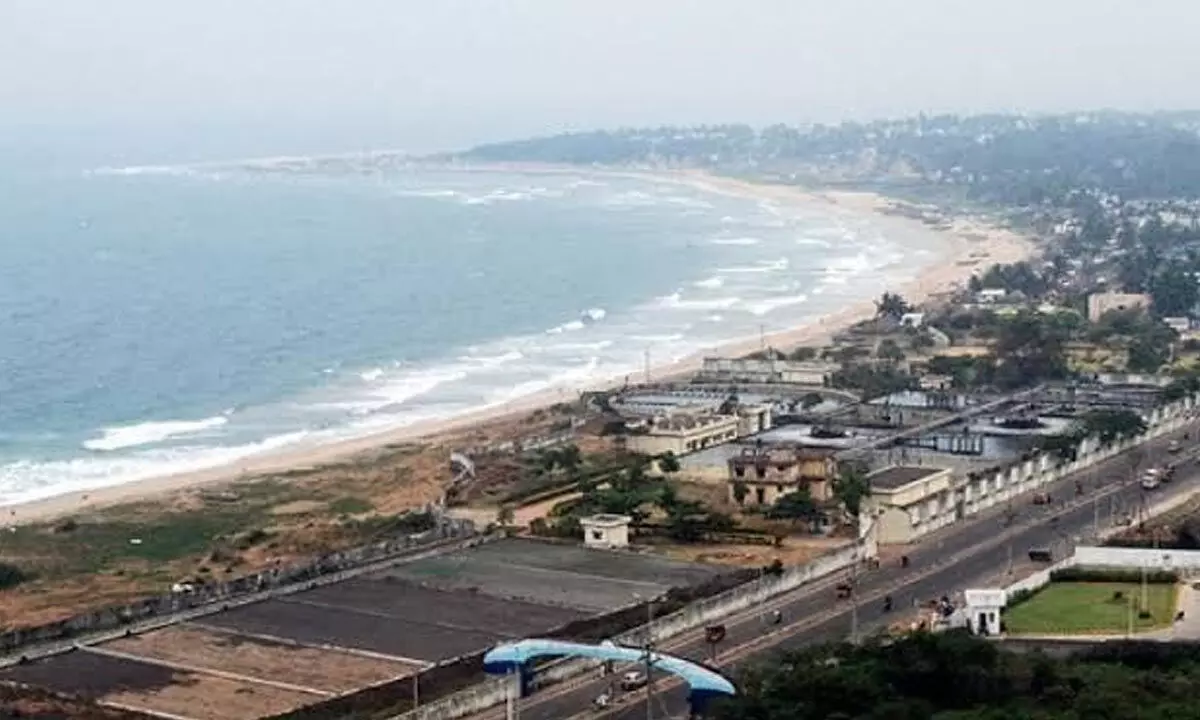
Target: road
[960, 556]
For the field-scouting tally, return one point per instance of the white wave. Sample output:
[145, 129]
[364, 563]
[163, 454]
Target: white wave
[763, 267]
[415, 384]
[711, 283]
[675, 337]
[735, 241]
[577, 347]
[129, 436]
[566, 327]
[371, 375]
[677, 302]
[433, 194]
[762, 307]
[594, 314]
[812, 242]
[715, 318]
[24, 481]
[491, 361]
[172, 170]
[572, 378]
[688, 202]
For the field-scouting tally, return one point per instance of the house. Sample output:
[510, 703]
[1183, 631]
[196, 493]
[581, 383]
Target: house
[991, 295]
[909, 501]
[605, 530]
[912, 319]
[1180, 325]
[760, 477]
[1100, 303]
[683, 433]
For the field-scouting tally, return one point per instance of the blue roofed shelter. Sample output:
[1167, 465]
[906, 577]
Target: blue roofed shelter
[516, 657]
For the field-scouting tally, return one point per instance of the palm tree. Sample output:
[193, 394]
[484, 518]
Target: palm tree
[891, 306]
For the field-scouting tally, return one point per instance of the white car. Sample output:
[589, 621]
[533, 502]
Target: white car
[633, 680]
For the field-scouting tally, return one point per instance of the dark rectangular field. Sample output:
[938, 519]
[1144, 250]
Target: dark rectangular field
[411, 603]
[305, 623]
[92, 676]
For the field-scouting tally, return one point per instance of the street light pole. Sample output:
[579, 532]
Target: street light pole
[649, 665]
[854, 603]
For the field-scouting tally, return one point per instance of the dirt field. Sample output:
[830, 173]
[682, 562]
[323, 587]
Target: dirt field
[325, 670]
[204, 697]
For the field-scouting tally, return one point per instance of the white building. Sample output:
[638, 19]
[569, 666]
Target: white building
[983, 609]
[908, 502]
[606, 531]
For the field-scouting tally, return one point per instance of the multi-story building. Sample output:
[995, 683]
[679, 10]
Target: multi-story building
[760, 477]
[907, 502]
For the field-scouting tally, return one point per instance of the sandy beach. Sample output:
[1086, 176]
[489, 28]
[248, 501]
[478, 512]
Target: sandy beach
[974, 245]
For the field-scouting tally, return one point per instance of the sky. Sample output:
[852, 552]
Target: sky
[225, 78]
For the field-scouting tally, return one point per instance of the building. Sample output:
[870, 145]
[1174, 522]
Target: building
[908, 502]
[606, 531]
[760, 477]
[683, 433]
[1100, 303]
[765, 371]
[983, 608]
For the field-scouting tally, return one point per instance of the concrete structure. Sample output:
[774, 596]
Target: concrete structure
[912, 319]
[908, 502]
[766, 475]
[682, 434]
[606, 531]
[983, 608]
[1100, 303]
[750, 370]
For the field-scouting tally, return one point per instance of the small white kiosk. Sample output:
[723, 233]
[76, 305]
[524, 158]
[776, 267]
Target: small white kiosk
[983, 610]
[606, 531]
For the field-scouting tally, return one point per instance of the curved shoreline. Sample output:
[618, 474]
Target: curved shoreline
[972, 245]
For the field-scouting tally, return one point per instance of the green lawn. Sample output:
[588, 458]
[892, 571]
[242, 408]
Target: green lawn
[1065, 608]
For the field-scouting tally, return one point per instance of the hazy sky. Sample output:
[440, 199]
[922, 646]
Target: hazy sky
[236, 76]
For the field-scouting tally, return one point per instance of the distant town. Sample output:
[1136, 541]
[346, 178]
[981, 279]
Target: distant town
[1012, 461]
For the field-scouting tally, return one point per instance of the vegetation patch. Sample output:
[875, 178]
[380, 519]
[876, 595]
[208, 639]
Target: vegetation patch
[1069, 608]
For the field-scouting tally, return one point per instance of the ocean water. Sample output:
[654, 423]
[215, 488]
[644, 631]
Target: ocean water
[168, 319]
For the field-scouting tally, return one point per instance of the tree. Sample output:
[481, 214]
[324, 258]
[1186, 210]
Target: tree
[570, 458]
[505, 515]
[1113, 425]
[811, 400]
[796, 506]
[889, 351]
[668, 463]
[850, 488]
[1175, 291]
[891, 306]
[802, 354]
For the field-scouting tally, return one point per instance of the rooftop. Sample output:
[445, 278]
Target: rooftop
[606, 520]
[897, 476]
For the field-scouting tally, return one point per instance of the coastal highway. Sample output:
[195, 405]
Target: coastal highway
[971, 553]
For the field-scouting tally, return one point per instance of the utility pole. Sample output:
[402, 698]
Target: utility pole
[416, 690]
[1096, 518]
[762, 337]
[1010, 559]
[649, 664]
[854, 603]
[647, 365]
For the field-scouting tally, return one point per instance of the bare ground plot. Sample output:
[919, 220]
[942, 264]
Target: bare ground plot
[90, 675]
[415, 604]
[601, 563]
[588, 593]
[325, 670]
[206, 697]
[313, 624]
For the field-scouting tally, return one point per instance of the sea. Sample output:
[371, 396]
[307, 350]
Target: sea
[164, 319]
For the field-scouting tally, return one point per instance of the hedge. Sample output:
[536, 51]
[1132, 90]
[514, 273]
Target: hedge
[1117, 575]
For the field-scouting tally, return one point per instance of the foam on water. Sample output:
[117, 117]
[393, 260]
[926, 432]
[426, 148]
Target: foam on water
[150, 433]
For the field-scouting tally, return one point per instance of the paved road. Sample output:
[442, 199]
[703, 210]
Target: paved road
[957, 557]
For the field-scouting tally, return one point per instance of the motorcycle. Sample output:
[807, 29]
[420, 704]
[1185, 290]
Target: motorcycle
[887, 604]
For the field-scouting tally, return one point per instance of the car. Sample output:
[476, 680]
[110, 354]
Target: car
[1174, 447]
[633, 680]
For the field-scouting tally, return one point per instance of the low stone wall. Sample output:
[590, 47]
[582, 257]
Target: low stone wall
[494, 691]
[231, 591]
[1137, 558]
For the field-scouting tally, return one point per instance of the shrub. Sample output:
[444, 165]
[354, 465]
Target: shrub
[12, 576]
[1115, 575]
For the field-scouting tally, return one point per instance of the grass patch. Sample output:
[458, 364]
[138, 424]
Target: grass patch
[350, 506]
[1069, 608]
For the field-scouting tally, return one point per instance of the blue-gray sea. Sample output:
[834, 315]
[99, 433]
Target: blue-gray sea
[156, 320]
